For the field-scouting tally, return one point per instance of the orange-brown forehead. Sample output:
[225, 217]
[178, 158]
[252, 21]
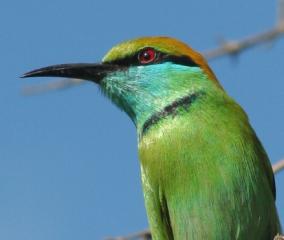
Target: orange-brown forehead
[163, 44]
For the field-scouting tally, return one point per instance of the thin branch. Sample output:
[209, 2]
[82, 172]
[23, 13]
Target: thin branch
[277, 167]
[60, 84]
[279, 237]
[143, 235]
[280, 11]
[236, 47]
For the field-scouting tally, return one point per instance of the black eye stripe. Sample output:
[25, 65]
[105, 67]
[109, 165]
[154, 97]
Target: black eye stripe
[181, 60]
[160, 58]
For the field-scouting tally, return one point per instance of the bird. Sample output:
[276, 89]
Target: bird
[205, 173]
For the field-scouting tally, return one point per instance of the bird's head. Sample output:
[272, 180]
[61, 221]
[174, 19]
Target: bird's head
[143, 76]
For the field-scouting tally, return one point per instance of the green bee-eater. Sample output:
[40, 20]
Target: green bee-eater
[205, 174]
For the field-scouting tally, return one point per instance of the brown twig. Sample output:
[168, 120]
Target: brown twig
[50, 86]
[277, 167]
[143, 235]
[236, 47]
[279, 237]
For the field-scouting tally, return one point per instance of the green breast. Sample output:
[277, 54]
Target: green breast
[209, 169]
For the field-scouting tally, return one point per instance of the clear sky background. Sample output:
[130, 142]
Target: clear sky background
[68, 159]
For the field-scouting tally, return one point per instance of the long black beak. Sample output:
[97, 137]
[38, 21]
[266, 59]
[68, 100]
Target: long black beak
[86, 71]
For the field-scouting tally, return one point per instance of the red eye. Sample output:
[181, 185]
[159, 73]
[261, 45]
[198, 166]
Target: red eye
[147, 55]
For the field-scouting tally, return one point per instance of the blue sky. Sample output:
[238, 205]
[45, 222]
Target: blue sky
[68, 159]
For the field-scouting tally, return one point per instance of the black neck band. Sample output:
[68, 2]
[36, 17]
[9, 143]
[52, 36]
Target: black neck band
[170, 110]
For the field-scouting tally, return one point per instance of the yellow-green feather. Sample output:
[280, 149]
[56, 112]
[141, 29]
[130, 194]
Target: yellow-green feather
[208, 175]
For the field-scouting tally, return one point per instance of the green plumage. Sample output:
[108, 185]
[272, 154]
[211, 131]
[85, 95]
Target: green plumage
[205, 174]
